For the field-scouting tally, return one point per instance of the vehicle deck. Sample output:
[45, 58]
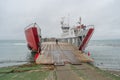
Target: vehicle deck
[61, 53]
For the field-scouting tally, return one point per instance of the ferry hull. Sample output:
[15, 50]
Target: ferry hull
[32, 38]
[86, 39]
[33, 41]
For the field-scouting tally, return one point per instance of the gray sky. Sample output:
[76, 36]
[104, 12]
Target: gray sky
[15, 15]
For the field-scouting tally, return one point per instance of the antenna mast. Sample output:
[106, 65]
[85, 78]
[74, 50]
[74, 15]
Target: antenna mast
[62, 21]
[68, 20]
[79, 22]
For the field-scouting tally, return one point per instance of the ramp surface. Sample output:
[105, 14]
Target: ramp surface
[61, 53]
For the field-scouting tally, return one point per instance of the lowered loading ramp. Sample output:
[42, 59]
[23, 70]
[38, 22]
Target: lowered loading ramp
[61, 53]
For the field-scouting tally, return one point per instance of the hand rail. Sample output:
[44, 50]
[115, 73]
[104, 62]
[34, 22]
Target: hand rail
[31, 25]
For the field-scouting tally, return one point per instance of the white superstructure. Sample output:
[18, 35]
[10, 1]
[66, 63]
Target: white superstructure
[74, 35]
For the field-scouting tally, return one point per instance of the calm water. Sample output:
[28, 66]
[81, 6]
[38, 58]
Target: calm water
[106, 53]
[13, 52]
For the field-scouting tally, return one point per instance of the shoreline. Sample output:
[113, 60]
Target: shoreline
[113, 72]
[28, 63]
[48, 71]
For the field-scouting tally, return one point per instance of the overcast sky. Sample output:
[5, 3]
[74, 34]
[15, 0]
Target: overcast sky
[15, 15]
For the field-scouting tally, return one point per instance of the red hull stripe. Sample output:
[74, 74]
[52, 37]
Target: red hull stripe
[36, 56]
[86, 39]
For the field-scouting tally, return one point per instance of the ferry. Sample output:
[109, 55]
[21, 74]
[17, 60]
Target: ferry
[78, 35]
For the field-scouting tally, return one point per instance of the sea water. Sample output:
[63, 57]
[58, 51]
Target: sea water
[13, 52]
[106, 53]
